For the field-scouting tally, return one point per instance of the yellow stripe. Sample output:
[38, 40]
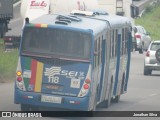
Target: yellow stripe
[38, 83]
[44, 25]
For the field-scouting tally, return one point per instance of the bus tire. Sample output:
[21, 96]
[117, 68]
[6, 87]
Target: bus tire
[95, 103]
[94, 106]
[108, 102]
[116, 99]
[158, 55]
[123, 83]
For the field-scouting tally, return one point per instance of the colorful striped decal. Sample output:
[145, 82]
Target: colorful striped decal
[44, 25]
[33, 75]
[38, 84]
[34, 83]
[27, 64]
[38, 25]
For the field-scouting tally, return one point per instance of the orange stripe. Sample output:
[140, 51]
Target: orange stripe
[33, 69]
[44, 25]
[38, 25]
[39, 74]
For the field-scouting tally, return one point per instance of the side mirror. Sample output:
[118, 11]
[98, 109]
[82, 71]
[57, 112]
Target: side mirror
[27, 20]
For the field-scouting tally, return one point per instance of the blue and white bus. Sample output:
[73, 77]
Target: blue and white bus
[73, 62]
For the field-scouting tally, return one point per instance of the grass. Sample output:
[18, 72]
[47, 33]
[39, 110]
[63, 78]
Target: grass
[151, 21]
[8, 63]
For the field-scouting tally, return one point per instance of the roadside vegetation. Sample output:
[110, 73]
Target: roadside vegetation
[8, 62]
[151, 21]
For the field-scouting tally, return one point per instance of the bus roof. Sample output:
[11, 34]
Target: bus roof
[95, 23]
[114, 20]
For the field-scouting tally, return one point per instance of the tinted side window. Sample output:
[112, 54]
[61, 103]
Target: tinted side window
[155, 46]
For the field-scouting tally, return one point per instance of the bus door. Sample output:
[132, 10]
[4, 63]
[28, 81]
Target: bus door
[97, 63]
[105, 66]
[106, 63]
[102, 66]
[118, 56]
[124, 59]
[128, 47]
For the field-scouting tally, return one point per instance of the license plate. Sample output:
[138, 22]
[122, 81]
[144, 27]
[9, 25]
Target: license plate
[54, 87]
[51, 99]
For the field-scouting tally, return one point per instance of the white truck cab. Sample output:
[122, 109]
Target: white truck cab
[35, 8]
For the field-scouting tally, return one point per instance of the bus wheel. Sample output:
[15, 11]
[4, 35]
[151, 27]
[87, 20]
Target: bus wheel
[108, 102]
[94, 106]
[116, 99]
[95, 103]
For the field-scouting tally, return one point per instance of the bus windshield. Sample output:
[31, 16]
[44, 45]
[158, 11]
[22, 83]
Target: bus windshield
[56, 42]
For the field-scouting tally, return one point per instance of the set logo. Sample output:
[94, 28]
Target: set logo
[51, 72]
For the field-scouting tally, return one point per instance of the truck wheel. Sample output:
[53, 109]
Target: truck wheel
[3, 30]
[95, 103]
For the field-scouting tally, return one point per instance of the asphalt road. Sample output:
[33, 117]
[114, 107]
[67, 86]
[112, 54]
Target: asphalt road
[143, 91]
